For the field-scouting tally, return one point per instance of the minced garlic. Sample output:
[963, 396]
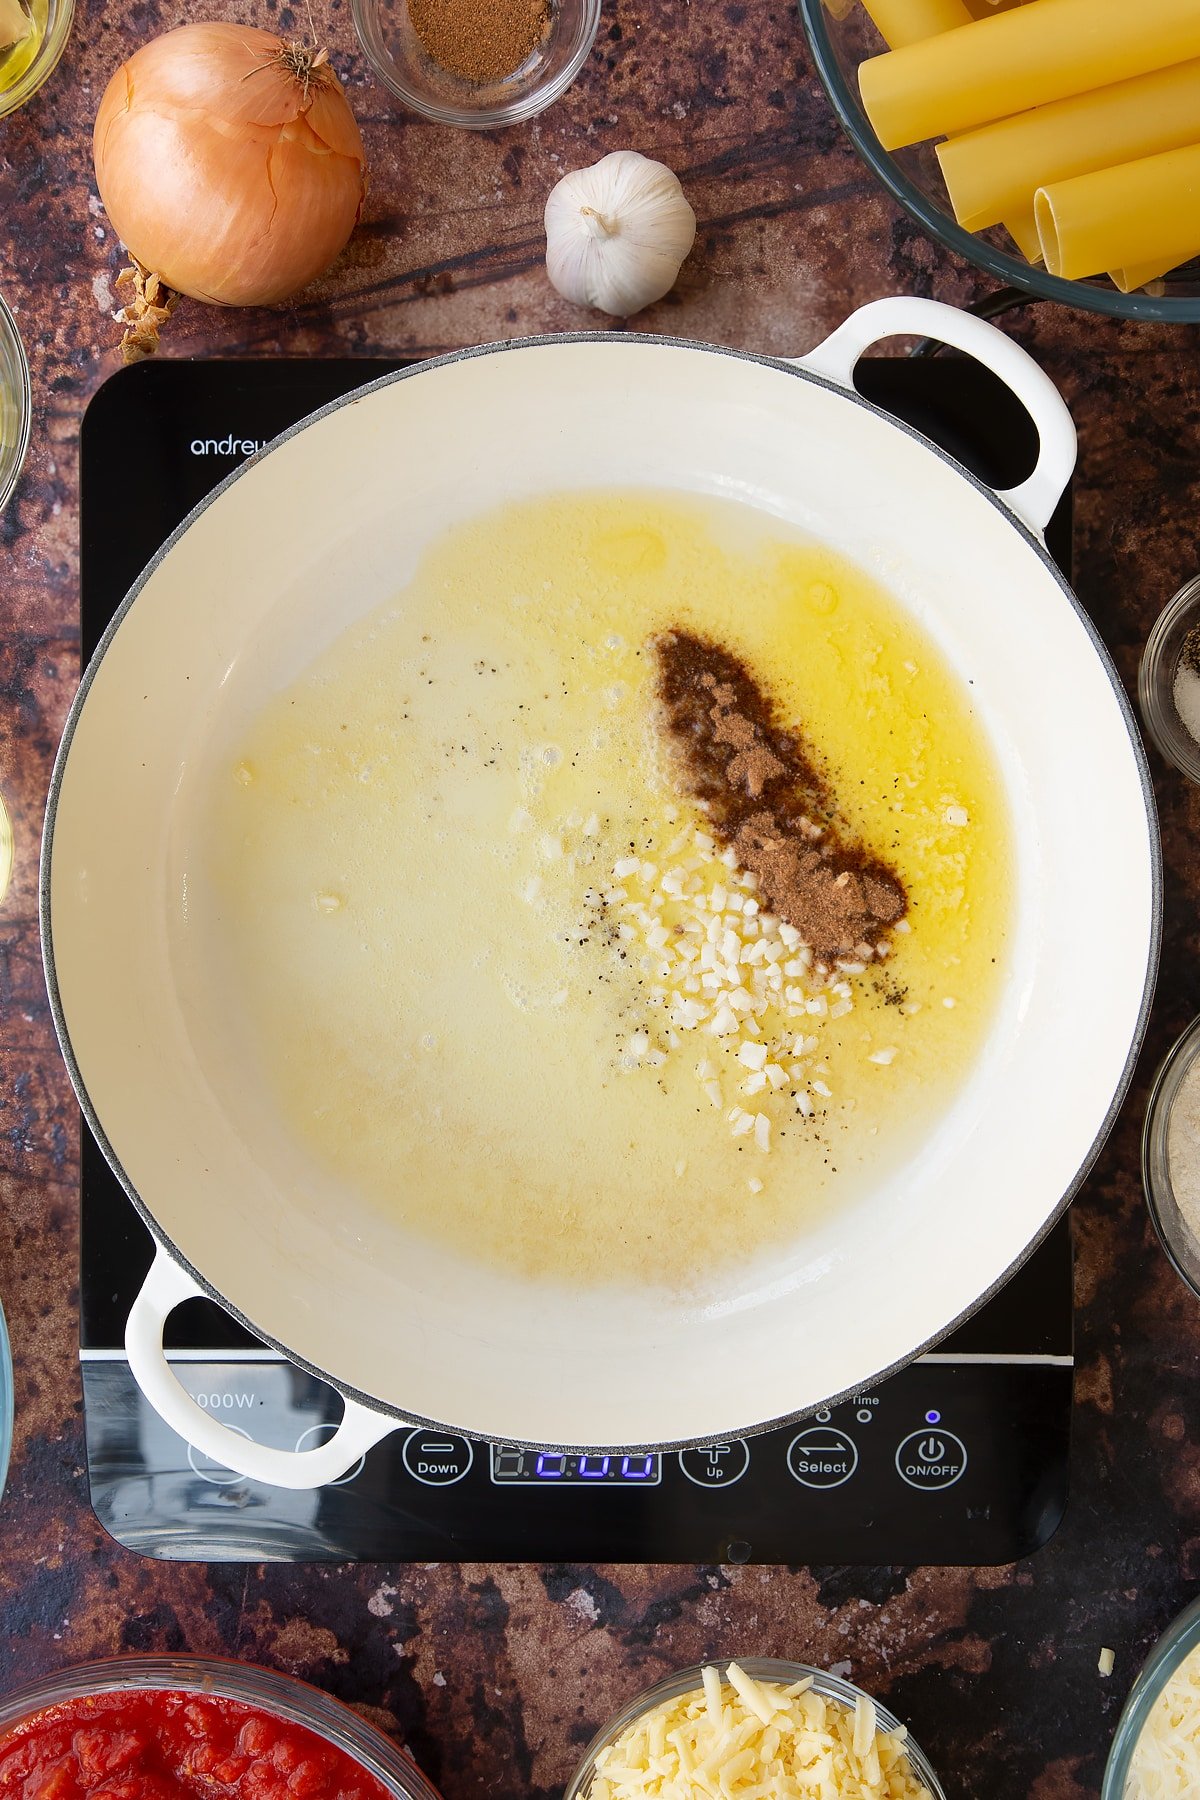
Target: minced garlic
[715, 966]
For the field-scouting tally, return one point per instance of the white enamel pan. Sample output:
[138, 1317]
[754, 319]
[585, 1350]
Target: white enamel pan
[320, 529]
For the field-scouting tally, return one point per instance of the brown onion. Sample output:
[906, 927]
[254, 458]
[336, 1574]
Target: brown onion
[229, 162]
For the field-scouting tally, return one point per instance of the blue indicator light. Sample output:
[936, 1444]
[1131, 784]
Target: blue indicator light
[630, 1470]
[594, 1474]
[932, 1417]
[546, 1470]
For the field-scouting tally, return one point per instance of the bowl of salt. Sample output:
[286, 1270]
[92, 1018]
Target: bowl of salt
[1169, 681]
[1171, 1155]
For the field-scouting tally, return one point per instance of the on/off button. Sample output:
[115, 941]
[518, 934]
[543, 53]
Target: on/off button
[930, 1460]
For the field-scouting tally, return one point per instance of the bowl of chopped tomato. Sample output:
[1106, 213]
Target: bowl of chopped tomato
[193, 1728]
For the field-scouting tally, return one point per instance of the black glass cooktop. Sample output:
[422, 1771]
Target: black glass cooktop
[963, 1457]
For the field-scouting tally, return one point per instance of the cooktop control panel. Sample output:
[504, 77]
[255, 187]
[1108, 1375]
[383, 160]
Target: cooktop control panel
[945, 1462]
[961, 1457]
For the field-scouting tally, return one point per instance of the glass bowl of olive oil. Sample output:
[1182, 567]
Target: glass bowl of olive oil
[33, 35]
[16, 404]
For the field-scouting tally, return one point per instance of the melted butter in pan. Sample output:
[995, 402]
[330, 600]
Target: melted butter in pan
[395, 885]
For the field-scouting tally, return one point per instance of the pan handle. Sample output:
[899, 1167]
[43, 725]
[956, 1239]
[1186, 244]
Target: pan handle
[905, 316]
[164, 1288]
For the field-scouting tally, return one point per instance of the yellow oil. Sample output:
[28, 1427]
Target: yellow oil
[394, 860]
[18, 58]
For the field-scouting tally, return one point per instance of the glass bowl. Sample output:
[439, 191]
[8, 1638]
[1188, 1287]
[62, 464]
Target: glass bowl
[281, 1695]
[1156, 680]
[1176, 1642]
[1178, 1239]
[761, 1668]
[54, 17]
[386, 33]
[16, 404]
[913, 177]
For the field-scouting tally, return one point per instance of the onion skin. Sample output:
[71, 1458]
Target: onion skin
[235, 180]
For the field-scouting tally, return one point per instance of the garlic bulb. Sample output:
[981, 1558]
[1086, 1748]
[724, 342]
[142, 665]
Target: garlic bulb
[617, 233]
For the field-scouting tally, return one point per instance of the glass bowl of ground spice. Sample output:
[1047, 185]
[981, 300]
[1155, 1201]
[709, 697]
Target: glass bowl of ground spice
[461, 63]
[1169, 681]
[1171, 1155]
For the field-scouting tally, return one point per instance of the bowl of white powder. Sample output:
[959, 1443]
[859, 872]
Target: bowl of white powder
[1169, 681]
[1171, 1155]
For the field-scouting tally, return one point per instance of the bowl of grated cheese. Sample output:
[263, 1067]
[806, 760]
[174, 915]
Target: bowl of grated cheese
[1155, 1752]
[736, 1730]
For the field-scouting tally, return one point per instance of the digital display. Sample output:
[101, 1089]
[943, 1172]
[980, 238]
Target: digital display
[560, 1468]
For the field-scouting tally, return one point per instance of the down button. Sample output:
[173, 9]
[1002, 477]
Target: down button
[437, 1458]
[931, 1459]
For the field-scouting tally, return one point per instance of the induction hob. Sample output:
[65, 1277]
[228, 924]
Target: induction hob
[961, 1458]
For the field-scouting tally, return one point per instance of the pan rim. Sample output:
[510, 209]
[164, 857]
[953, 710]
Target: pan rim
[781, 366]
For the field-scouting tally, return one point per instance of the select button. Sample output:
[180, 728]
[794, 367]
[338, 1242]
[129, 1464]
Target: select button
[822, 1457]
[436, 1458]
[930, 1460]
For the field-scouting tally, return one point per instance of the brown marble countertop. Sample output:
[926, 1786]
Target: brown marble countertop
[495, 1675]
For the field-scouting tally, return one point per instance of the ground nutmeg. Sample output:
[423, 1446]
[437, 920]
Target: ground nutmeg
[482, 41]
[767, 801]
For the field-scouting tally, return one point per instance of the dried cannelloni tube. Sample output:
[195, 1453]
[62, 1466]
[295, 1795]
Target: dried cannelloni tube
[993, 172]
[901, 22]
[1028, 57]
[1131, 217]
[1138, 275]
[908, 22]
[1021, 227]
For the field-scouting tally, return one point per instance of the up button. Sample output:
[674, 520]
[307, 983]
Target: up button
[931, 1459]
